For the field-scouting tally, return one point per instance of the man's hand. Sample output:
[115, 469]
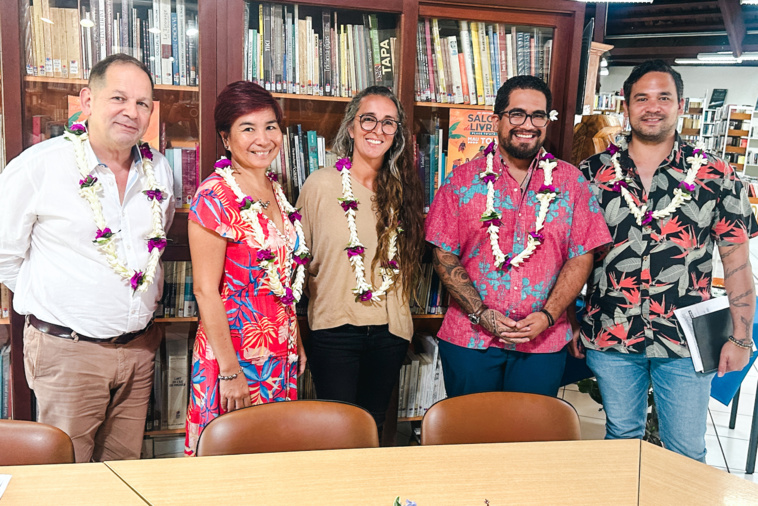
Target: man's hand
[497, 324]
[575, 346]
[527, 328]
[733, 358]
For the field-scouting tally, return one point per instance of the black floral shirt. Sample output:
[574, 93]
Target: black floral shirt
[661, 264]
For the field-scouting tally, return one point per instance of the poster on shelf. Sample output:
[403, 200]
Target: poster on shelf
[470, 132]
[152, 135]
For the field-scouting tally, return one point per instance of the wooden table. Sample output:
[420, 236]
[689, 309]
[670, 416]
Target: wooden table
[579, 472]
[74, 484]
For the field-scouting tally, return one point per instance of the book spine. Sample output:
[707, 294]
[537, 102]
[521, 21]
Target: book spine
[110, 40]
[336, 90]
[181, 19]
[439, 63]
[288, 49]
[267, 78]
[431, 64]
[174, 49]
[468, 59]
[277, 22]
[464, 79]
[56, 30]
[455, 71]
[485, 64]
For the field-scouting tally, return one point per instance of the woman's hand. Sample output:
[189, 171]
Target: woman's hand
[234, 393]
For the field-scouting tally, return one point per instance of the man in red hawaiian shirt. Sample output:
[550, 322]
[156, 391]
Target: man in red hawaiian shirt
[513, 233]
[667, 205]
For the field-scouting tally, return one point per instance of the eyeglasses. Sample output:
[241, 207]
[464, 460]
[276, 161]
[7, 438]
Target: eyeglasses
[518, 118]
[368, 124]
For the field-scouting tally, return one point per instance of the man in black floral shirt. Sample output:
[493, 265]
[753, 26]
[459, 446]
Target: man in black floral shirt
[667, 204]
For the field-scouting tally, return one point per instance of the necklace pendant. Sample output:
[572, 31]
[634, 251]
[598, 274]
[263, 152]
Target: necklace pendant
[264, 205]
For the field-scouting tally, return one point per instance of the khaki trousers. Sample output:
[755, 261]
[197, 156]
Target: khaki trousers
[95, 392]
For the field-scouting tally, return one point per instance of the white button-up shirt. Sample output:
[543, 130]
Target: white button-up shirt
[47, 255]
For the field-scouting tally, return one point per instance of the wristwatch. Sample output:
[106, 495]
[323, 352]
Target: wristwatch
[476, 317]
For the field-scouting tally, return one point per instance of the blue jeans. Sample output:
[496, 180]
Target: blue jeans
[470, 371]
[681, 398]
[356, 364]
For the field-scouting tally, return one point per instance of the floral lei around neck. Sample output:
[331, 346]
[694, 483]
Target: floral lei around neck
[682, 193]
[355, 249]
[249, 211]
[492, 219]
[89, 188]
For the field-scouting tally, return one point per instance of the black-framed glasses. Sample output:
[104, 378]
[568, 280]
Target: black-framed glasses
[518, 118]
[368, 124]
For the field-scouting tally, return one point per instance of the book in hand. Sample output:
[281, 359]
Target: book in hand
[707, 327]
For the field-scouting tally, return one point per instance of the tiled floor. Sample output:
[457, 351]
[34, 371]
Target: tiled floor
[727, 449]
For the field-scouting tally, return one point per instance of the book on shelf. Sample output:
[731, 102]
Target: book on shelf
[5, 381]
[5, 302]
[178, 299]
[477, 56]
[421, 382]
[65, 42]
[469, 133]
[177, 391]
[312, 51]
[430, 296]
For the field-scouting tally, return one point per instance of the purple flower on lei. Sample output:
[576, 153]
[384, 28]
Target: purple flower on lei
[288, 297]
[222, 163]
[105, 233]
[343, 163]
[246, 203]
[272, 177]
[154, 195]
[613, 149]
[618, 185]
[489, 149]
[536, 235]
[698, 151]
[489, 178]
[392, 264]
[547, 156]
[77, 129]
[137, 279]
[506, 265]
[365, 296]
[687, 187]
[349, 204]
[302, 259]
[88, 181]
[145, 151]
[492, 221]
[548, 188]
[295, 216]
[647, 218]
[264, 255]
[156, 242]
[353, 251]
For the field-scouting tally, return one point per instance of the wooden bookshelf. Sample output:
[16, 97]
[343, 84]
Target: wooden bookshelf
[5, 321]
[735, 149]
[167, 432]
[177, 319]
[83, 82]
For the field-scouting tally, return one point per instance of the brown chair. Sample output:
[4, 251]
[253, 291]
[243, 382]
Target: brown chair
[289, 426]
[26, 443]
[497, 417]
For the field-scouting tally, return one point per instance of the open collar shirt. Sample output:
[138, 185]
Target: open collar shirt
[574, 226]
[47, 255]
[653, 269]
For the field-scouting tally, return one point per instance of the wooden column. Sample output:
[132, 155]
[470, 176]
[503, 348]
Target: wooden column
[596, 51]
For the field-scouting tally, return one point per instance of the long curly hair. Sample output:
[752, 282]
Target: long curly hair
[398, 192]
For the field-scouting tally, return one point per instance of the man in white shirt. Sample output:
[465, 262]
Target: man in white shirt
[84, 217]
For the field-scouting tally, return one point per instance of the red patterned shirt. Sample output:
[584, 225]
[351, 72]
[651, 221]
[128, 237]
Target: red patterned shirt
[574, 226]
[653, 269]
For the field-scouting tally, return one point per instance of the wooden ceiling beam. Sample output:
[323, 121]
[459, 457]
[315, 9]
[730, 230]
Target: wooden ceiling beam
[731, 11]
[649, 16]
[662, 31]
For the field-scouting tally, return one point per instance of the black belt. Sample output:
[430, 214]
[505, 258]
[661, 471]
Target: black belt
[67, 333]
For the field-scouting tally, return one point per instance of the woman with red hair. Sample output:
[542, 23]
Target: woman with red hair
[248, 262]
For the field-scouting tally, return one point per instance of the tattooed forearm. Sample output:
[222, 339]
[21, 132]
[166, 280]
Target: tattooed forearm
[456, 280]
[737, 300]
[726, 251]
[748, 323]
[728, 273]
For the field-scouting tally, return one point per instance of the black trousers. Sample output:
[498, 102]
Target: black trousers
[359, 365]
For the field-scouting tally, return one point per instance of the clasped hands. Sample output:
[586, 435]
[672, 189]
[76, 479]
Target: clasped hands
[511, 331]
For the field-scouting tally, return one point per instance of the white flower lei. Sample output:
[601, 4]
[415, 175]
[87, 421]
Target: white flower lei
[363, 291]
[89, 187]
[682, 193]
[491, 218]
[249, 210]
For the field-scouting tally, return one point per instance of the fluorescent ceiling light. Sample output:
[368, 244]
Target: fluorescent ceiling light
[603, 63]
[723, 58]
[749, 2]
[604, 71]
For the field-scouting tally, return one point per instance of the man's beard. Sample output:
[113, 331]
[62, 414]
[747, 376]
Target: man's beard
[521, 152]
[663, 133]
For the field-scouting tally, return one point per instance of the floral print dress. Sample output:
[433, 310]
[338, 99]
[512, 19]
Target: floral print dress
[263, 330]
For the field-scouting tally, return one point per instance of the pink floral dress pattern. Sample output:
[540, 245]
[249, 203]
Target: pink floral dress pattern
[260, 325]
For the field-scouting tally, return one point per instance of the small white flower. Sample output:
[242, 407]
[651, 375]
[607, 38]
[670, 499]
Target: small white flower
[553, 115]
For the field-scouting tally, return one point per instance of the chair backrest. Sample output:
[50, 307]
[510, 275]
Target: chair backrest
[289, 426]
[25, 443]
[496, 417]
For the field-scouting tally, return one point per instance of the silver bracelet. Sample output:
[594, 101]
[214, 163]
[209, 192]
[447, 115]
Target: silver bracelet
[230, 377]
[741, 343]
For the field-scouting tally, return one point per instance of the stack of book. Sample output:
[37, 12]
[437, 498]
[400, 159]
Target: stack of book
[421, 381]
[185, 164]
[309, 51]
[66, 42]
[167, 409]
[466, 62]
[302, 153]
